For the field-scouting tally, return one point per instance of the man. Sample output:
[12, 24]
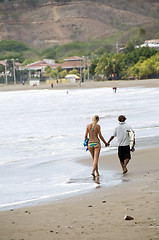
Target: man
[122, 134]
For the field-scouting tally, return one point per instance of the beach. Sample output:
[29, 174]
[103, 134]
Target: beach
[86, 84]
[99, 214]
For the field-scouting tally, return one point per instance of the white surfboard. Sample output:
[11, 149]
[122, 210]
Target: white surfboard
[132, 140]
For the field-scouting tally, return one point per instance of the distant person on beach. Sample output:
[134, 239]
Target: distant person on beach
[122, 134]
[93, 132]
[114, 89]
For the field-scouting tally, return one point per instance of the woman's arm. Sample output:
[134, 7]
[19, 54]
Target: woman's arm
[101, 137]
[86, 133]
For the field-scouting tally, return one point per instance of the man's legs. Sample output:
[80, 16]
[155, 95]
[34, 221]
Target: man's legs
[126, 161]
[124, 156]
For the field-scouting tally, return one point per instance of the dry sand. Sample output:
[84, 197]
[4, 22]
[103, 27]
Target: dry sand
[87, 84]
[98, 215]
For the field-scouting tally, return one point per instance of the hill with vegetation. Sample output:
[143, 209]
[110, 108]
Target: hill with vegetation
[44, 24]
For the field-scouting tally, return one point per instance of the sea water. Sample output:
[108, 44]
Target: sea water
[42, 134]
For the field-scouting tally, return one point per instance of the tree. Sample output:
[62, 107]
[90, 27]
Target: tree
[142, 33]
[48, 70]
[156, 63]
[2, 68]
[93, 66]
[129, 47]
[119, 63]
[12, 46]
[102, 65]
[54, 73]
[74, 72]
[62, 74]
[59, 68]
[27, 61]
[134, 71]
[146, 69]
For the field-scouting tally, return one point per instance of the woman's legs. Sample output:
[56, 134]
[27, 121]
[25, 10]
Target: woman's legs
[91, 149]
[96, 158]
[95, 151]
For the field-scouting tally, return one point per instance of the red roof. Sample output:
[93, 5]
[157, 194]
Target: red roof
[37, 64]
[3, 62]
[69, 64]
[74, 58]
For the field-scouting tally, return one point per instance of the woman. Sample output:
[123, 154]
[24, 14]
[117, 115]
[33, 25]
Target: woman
[94, 146]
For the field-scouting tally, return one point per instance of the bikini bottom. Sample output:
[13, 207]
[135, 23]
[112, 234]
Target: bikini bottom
[93, 144]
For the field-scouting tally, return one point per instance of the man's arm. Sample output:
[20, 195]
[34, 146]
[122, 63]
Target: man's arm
[111, 138]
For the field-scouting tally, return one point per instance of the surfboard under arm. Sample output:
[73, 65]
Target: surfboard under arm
[131, 138]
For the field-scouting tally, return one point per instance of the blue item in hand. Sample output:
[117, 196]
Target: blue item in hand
[86, 143]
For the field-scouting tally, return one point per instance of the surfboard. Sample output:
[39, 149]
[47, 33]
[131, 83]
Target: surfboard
[132, 140]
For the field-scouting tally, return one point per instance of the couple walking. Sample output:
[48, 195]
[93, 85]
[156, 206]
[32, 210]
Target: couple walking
[93, 132]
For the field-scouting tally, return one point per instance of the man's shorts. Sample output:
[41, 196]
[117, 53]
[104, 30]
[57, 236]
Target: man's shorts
[124, 153]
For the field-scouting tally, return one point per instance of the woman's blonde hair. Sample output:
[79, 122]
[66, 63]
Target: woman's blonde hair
[95, 119]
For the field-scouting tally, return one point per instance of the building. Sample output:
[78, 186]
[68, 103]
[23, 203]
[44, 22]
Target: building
[38, 66]
[68, 64]
[153, 43]
[71, 63]
[16, 64]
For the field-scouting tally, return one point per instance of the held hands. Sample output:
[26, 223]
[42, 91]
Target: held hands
[107, 144]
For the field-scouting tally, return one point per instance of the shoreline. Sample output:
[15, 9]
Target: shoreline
[94, 215]
[149, 83]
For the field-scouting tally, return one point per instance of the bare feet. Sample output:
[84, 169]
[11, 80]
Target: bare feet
[125, 171]
[93, 175]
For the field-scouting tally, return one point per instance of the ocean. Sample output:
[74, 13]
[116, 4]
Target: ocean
[42, 134]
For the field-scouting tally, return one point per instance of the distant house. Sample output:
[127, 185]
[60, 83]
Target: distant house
[153, 43]
[17, 64]
[8, 71]
[70, 63]
[38, 66]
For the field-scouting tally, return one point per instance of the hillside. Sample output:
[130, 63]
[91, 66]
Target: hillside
[52, 24]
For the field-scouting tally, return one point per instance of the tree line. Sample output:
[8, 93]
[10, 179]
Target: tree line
[131, 63]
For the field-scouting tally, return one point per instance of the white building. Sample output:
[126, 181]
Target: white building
[153, 43]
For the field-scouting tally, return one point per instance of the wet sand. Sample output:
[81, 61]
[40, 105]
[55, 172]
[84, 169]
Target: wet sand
[87, 84]
[99, 214]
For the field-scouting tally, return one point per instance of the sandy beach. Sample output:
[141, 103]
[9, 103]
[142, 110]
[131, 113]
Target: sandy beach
[99, 214]
[87, 84]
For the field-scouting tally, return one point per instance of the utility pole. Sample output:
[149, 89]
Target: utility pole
[84, 69]
[117, 47]
[80, 71]
[6, 72]
[88, 67]
[14, 76]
